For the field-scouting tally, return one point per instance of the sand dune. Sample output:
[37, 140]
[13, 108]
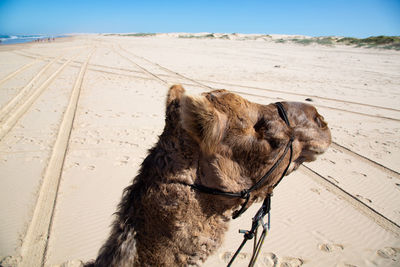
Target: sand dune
[78, 115]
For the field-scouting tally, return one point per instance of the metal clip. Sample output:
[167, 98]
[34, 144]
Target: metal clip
[247, 234]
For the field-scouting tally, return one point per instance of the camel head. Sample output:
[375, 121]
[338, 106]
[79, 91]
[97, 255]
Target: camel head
[238, 141]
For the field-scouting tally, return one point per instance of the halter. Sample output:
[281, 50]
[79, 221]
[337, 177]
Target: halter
[245, 194]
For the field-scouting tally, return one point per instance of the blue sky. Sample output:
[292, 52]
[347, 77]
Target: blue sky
[358, 18]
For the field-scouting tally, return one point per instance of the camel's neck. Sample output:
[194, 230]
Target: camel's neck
[183, 163]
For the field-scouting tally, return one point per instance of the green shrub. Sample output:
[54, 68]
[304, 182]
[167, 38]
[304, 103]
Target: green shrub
[302, 41]
[373, 41]
[280, 41]
[325, 41]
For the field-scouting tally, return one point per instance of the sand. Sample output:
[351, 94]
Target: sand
[78, 115]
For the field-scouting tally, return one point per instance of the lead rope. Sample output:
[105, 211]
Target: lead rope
[265, 208]
[250, 234]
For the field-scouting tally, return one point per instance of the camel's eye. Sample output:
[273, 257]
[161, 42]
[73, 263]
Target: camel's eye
[271, 131]
[261, 128]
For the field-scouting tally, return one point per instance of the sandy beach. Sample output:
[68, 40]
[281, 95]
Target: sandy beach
[78, 115]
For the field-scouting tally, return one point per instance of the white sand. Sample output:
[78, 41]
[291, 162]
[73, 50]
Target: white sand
[342, 210]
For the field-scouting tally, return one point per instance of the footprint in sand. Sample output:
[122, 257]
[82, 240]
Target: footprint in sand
[72, 263]
[268, 259]
[316, 190]
[264, 259]
[330, 247]
[37, 158]
[389, 253]
[291, 262]
[398, 186]
[227, 256]
[91, 167]
[9, 260]
[122, 161]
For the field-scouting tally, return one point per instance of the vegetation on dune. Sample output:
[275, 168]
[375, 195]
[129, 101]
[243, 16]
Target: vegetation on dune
[348, 40]
[234, 36]
[329, 41]
[374, 40]
[280, 41]
[325, 40]
[140, 34]
[209, 35]
[302, 41]
[385, 42]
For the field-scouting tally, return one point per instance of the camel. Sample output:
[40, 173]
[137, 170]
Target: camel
[218, 140]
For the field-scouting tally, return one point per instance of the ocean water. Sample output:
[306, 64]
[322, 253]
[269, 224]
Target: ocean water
[16, 39]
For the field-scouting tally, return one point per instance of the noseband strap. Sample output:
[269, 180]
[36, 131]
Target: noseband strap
[282, 113]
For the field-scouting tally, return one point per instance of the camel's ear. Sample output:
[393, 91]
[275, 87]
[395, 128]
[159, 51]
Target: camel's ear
[175, 92]
[202, 121]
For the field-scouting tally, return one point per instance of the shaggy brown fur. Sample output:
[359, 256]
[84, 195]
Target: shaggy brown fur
[219, 140]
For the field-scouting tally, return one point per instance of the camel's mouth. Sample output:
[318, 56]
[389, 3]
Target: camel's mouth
[309, 154]
[317, 150]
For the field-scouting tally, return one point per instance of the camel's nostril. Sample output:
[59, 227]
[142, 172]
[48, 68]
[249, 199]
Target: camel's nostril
[320, 121]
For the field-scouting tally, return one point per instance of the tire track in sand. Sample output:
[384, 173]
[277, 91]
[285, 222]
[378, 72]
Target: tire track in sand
[250, 87]
[9, 76]
[371, 213]
[139, 66]
[304, 95]
[34, 246]
[24, 91]
[201, 84]
[231, 84]
[20, 110]
[163, 68]
[272, 90]
[365, 159]
[326, 107]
